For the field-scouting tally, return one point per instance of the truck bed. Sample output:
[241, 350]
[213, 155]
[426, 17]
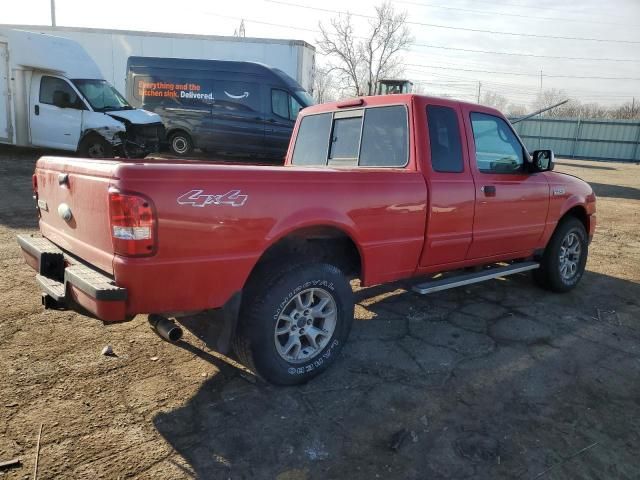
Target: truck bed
[214, 221]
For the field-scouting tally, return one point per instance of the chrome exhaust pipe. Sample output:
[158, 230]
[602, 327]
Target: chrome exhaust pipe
[166, 328]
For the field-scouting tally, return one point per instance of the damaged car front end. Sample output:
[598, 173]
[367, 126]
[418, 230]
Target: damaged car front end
[140, 140]
[113, 127]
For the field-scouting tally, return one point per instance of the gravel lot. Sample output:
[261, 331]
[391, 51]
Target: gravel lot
[496, 380]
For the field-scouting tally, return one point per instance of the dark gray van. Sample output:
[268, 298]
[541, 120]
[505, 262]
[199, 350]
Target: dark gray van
[218, 106]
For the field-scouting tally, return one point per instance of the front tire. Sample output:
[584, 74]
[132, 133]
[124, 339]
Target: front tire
[94, 146]
[565, 257]
[294, 322]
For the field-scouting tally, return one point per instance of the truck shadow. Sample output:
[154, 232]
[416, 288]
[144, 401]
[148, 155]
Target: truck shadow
[578, 164]
[615, 191]
[495, 380]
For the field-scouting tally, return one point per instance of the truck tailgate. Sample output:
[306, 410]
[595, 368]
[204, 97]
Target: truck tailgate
[79, 187]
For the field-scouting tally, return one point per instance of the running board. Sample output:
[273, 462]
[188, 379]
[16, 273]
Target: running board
[475, 277]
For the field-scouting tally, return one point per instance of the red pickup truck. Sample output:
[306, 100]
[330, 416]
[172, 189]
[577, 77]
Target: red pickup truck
[376, 188]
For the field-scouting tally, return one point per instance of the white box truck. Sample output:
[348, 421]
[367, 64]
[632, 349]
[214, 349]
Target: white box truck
[53, 95]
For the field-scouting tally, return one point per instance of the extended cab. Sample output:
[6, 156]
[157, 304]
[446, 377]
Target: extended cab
[376, 188]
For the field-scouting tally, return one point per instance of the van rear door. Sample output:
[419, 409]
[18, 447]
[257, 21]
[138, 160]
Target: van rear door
[50, 125]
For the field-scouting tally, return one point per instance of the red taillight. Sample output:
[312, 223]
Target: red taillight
[34, 183]
[133, 224]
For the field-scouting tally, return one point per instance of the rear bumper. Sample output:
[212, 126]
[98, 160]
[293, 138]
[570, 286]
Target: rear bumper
[69, 284]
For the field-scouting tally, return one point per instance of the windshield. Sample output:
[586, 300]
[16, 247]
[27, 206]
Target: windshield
[101, 95]
[307, 99]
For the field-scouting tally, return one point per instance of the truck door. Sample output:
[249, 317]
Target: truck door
[511, 204]
[55, 119]
[450, 185]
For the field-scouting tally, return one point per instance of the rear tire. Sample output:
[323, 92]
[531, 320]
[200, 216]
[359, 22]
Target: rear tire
[294, 322]
[180, 143]
[95, 146]
[565, 257]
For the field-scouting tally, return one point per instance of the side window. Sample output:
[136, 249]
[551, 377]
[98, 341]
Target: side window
[384, 137]
[312, 140]
[345, 138]
[49, 85]
[444, 139]
[497, 148]
[280, 103]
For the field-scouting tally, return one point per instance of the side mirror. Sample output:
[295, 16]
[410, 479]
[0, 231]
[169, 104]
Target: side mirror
[61, 99]
[542, 160]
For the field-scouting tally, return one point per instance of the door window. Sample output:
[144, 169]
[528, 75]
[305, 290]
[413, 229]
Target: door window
[294, 108]
[444, 139]
[498, 150]
[49, 85]
[284, 105]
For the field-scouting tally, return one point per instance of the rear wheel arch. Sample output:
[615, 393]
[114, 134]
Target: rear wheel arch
[322, 243]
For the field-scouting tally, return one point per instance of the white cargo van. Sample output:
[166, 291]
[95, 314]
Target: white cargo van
[53, 95]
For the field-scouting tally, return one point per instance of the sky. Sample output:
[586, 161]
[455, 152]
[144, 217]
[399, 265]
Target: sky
[454, 48]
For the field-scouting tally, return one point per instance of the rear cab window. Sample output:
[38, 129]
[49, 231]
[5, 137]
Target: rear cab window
[444, 139]
[365, 137]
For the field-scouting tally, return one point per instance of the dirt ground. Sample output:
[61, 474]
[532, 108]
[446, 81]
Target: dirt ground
[496, 380]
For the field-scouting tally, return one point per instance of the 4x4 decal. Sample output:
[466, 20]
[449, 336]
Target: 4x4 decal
[196, 198]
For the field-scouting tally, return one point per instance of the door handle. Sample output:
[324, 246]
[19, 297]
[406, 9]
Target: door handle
[36, 109]
[488, 190]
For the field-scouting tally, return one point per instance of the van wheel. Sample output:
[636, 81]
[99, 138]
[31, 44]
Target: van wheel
[294, 321]
[95, 146]
[181, 143]
[565, 257]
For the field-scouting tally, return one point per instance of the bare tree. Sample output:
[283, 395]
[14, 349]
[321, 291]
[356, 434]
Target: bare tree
[324, 85]
[516, 110]
[360, 62]
[626, 111]
[547, 98]
[495, 100]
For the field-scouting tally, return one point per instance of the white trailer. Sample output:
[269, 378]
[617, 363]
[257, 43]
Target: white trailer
[112, 48]
[53, 95]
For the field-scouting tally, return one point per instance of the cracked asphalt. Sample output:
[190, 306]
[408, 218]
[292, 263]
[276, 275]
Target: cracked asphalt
[495, 380]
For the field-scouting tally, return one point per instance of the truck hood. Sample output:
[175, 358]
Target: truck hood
[137, 116]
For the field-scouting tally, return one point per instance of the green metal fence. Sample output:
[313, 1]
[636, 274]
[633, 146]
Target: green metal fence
[576, 138]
